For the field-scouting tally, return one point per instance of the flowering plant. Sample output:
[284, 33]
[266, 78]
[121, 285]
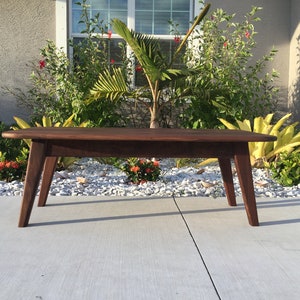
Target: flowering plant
[12, 170]
[141, 170]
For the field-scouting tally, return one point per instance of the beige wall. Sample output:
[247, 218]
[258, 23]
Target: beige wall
[294, 74]
[25, 26]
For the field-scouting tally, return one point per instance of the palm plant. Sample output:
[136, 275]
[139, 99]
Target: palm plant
[112, 82]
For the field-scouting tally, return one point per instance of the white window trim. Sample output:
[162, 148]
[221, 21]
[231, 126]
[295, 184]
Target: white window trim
[61, 23]
[64, 24]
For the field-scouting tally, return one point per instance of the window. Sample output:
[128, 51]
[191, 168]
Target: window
[145, 16]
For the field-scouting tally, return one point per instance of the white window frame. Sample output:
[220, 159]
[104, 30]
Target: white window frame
[63, 12]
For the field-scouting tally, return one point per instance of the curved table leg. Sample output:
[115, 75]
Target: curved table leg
[49, 169]
[33, 174]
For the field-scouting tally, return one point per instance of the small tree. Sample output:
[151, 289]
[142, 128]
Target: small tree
[113, 84]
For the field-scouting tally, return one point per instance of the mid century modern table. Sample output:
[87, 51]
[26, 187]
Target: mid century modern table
[50, 143]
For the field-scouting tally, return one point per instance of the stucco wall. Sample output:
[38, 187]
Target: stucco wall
[294, 74]
[24, 28]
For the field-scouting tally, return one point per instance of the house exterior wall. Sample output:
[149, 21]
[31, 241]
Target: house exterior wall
[294, 65]
[24, 28]
[26, 25]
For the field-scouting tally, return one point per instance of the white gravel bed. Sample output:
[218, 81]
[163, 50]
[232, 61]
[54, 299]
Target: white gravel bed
[89, 178]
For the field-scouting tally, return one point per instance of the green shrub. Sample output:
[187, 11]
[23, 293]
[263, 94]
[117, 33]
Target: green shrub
[13, 157]
[286, 169]
[11, 148]
[226, 83]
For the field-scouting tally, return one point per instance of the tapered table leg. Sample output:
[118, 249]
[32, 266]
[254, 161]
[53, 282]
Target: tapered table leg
[244, 172]
[33, 175]
[226, 172]
[49, 169]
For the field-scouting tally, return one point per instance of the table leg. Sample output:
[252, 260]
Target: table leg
[244, 172]
[49, 169]
[33, 175]
[226, 172]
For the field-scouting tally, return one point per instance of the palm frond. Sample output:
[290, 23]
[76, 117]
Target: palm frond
[110, 85]
[145, 47]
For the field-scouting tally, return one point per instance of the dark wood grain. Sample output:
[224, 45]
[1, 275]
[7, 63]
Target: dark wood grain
[50, 143]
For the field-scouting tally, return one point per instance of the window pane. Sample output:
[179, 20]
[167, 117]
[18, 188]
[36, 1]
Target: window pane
[143, 22]
[103, 15]
[118, 4]
[161, 25]
[144, 4]
[77, 28]
[122, 15]
[162, 5]
[182, 19]
[181, 5]
[99, 4]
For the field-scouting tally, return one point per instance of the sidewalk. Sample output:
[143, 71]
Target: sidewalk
[145, 248]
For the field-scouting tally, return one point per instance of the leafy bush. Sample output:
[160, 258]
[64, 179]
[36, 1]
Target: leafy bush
[13, 157]
[226, 83]
[141, 170]
[10, 148]
[286, 168]
[60, 85]
[262, 153]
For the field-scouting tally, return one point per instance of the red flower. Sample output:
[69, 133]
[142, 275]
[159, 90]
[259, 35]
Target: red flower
[14, 165]
[135, 169]
[148, 170]
[112, 61]
[225, 44]
[109, 34]
[42, 64]
[177, 39]
[138, 68]
[8, 164]
[2, 165]
[247, 34]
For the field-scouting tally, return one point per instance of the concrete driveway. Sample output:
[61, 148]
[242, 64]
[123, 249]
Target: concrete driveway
[149, 248]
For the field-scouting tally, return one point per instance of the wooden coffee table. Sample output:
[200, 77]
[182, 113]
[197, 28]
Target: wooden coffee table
[49, 143]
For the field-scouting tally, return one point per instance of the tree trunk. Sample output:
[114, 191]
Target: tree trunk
[154, 120]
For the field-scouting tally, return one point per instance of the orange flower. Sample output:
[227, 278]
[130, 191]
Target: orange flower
[2, 165]
[135, 169]
[156, 163]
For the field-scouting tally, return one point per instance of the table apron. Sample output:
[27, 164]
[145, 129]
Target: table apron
[81, 148]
